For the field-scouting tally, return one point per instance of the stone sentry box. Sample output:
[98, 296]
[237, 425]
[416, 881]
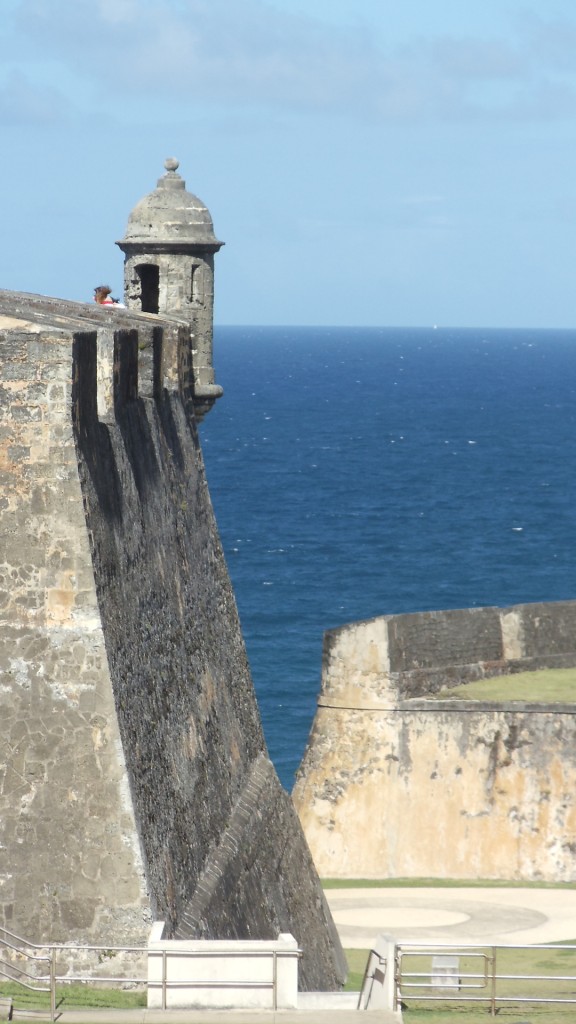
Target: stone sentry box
[169, 248]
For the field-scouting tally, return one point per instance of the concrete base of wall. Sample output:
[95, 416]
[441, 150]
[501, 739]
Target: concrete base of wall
[221, 974]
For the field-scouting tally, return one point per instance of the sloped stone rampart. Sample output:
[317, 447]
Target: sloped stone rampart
[132, 735]
[397, 784]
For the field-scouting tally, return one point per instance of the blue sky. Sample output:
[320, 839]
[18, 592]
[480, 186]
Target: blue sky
[365, 161]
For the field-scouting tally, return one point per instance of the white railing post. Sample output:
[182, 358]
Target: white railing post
[379, 986]
[52, 985]
[274, 981]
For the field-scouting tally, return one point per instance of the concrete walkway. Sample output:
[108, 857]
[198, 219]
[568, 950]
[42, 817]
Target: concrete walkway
[225, 1017]
[303, 1016]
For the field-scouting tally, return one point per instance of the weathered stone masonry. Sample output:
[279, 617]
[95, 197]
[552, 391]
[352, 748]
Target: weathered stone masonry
[397, 784]
[69, 852]
[134, 782]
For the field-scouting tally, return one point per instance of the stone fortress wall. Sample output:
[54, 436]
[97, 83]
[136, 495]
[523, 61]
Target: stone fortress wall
[135, 783]
[395, 783]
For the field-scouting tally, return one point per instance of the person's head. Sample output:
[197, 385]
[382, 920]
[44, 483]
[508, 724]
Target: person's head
[101, 293]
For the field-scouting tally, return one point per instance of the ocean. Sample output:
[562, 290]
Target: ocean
[358, 472]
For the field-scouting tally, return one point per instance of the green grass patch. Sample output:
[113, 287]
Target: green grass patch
[521, 974]
[473, 1015]
[75, 997]
[526, 973]
[516, 962]
[544, 686]
[438, 883]
[357, 960]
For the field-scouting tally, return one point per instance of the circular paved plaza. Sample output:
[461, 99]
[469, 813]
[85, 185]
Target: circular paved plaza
[487, 916]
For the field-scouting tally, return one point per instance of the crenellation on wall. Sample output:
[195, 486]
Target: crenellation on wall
[512, 635]
[356, 665]
[549, 629]
[434, 639]
[165, 344]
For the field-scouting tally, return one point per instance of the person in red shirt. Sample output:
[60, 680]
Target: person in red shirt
[103, 296]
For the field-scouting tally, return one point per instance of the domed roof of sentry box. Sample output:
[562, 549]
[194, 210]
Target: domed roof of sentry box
[171, 215]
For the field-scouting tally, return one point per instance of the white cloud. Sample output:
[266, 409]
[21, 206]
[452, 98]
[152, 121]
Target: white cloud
[552, 40]
[247, 53]
[466, 58]
[116, 12]
[24, 102]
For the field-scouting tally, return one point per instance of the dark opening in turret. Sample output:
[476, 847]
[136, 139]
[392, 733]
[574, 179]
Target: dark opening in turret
[149, 287]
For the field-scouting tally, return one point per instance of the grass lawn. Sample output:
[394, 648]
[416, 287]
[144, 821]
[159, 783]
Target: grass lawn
[437, 883]
[540, 962]
[472, 1015]
[546, 685]
[77, 997]
[357, 960]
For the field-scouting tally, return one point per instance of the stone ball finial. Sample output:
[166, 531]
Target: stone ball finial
[171, 163]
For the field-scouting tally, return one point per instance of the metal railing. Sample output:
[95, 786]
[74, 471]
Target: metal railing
[39, 975]
[28, 980]
[46, 980]
[167, 955]
[484, 975]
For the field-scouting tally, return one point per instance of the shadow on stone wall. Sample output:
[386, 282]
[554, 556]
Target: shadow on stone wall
[223, 849]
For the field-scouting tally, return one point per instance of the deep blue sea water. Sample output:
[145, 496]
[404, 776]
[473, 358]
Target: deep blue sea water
[358, 472]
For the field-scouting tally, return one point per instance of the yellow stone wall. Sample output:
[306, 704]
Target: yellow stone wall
[411, 787]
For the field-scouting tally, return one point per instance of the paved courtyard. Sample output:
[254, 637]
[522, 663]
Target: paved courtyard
[488, 916]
